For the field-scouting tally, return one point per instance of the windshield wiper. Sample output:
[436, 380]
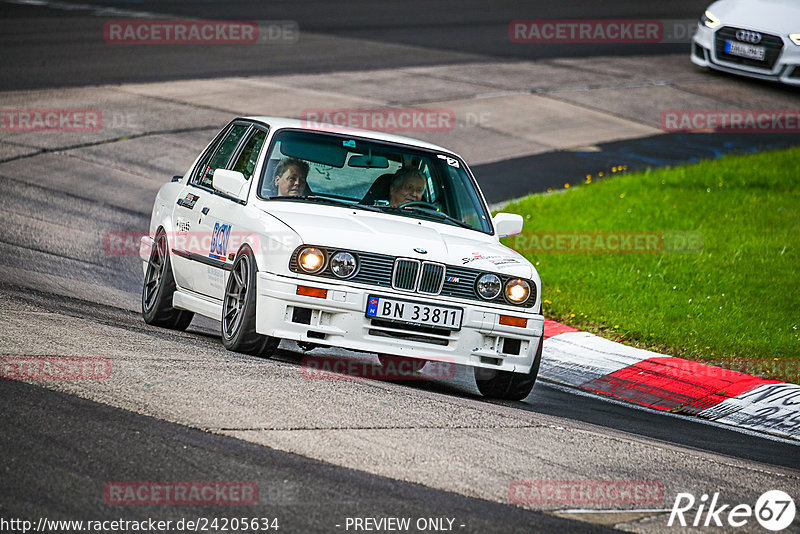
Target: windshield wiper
[439, 215]
[329, 200]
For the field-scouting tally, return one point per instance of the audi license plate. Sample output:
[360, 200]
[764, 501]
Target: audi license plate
[410, 312]
[745, 50]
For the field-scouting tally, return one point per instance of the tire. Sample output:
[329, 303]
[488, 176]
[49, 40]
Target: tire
[506, 385]
[238, 321]
[158, 288]
[401, 363]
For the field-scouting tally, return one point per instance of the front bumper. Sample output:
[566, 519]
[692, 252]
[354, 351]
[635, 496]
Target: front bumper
[786, 68]
[339, 320]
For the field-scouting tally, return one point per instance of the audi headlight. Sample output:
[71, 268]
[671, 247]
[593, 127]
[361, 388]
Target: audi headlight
[709, 20]
[311, 259]
[343, 264]
[489, 286]
[795, 37]
[517, 290]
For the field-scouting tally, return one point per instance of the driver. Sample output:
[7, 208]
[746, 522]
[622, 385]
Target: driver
[407, 186]
[290, 177]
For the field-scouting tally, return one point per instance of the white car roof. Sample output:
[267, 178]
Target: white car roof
[280, 122]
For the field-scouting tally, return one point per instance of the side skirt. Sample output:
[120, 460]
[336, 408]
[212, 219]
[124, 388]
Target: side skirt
[187, 300]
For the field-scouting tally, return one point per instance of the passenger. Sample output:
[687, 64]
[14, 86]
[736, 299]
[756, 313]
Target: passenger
[407, 186]
[290, 177]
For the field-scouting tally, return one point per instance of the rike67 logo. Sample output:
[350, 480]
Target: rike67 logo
[774, 510]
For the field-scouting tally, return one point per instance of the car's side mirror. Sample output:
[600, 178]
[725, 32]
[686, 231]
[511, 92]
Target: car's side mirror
[231, 183]
[507, 224]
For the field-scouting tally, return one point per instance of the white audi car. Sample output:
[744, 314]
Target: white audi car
[337, 237]
[756, 38]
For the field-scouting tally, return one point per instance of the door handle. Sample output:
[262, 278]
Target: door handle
[205, 210]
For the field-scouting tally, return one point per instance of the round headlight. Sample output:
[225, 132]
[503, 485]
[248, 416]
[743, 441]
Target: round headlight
[517, 290]
[311, 259]
[489, 286]
[343, 264]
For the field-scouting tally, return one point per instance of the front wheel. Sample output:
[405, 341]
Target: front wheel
[239, 310]
[158, 288]
[505, 384]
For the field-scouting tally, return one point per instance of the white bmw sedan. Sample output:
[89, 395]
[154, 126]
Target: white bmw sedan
[344, 238]
[756, 38]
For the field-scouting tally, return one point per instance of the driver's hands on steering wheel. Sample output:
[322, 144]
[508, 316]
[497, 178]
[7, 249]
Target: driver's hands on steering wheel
[418, 204]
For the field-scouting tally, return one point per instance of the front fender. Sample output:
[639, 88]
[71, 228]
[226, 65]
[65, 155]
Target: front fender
[272, 245]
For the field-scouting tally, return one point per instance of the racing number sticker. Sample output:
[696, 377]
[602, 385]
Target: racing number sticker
[219, 241]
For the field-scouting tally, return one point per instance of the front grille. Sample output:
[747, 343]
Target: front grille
[420, 277]
[380, 270]
[373, 269]
[408, 332]
[409, 337]
[460, 283]
[432, 278]
[405, 274]
[772, 43]
[431, 330]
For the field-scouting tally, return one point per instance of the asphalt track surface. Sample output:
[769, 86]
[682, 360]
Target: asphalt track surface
[62, 295]
[60, 450]
[39, 458]
[57, 47]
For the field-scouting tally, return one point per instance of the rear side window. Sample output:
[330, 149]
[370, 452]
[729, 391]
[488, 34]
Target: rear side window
[246, 163]
[219, 156]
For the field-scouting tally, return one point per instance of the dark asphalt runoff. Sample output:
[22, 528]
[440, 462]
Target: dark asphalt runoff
[47, 45]
[60, 451]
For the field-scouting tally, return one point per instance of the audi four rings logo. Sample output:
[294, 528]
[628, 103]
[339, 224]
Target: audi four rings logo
[748, 36]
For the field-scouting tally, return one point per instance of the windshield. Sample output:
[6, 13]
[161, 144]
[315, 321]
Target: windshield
[364, 174]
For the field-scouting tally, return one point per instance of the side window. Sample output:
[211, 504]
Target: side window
[246, 163]
[219, 158]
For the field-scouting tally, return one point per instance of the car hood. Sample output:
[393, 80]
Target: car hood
[394, 235]
[780, 17]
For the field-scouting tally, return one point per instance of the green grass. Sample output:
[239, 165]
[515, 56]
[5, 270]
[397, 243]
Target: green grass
[736, 300]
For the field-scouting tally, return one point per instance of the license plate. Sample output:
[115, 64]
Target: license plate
[410, 312]
[745, 50]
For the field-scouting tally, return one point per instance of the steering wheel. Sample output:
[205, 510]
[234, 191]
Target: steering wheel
[419, 204]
